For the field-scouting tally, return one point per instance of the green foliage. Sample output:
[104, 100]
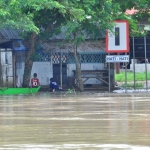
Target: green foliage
[34, 57]
[22, 14]
[11, 16]
[93, 17]
[30, 15]
[137, 85]
[130, 76]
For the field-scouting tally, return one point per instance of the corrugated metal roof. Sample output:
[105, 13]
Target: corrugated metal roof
[62, 35]
[87, 46]
[8, 34]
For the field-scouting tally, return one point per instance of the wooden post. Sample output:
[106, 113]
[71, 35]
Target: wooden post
[14, 67]
[1, 79]
[61, 69]
[117, 68]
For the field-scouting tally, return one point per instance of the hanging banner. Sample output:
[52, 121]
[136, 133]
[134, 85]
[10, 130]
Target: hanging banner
[117, 40]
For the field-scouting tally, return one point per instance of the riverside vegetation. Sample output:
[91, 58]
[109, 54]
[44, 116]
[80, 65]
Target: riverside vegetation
[140, 79]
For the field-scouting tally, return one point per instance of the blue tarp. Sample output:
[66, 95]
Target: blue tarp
[18, 45]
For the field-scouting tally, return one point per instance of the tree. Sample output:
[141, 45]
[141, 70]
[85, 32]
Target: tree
[48, 17]
[97, 17]
[27, 16]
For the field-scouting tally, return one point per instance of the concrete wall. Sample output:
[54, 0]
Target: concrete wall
[139, 67]
[94, 66]
[44, 71]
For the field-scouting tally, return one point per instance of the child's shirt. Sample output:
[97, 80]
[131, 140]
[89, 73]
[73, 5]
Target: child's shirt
[35, 82]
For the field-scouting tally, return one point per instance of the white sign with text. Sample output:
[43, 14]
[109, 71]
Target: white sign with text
[117, 58]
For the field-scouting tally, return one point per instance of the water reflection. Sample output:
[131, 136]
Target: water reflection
[83, 121]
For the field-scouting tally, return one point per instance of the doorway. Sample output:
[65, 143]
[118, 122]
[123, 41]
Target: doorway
[56, 73]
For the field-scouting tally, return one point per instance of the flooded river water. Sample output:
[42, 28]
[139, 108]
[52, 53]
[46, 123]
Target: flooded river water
[89, 121]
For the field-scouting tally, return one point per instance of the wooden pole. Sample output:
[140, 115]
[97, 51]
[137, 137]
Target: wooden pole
[61, 69]
[145, 62]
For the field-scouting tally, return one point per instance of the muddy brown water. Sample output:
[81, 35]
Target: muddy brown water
[89, 121]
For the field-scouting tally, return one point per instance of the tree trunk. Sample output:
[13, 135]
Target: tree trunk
[78, 71]
[29, 61]
[1, 79]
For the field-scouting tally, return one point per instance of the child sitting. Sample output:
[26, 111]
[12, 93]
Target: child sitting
[53, 85]
[35, 81]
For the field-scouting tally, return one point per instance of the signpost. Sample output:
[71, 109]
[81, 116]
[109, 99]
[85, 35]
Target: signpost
[117, 41]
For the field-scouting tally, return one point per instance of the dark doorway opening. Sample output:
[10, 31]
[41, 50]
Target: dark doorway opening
[56, 73]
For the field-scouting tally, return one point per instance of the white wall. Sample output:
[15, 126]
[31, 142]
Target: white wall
[94, 66]
[7, 70]
[139, 67]
[43, 70]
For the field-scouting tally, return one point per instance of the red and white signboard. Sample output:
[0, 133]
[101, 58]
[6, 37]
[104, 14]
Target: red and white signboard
[117, 40]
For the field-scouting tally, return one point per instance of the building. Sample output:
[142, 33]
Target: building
[53, 59]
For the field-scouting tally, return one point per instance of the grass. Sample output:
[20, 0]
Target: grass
[137, 85]
[130, 76]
